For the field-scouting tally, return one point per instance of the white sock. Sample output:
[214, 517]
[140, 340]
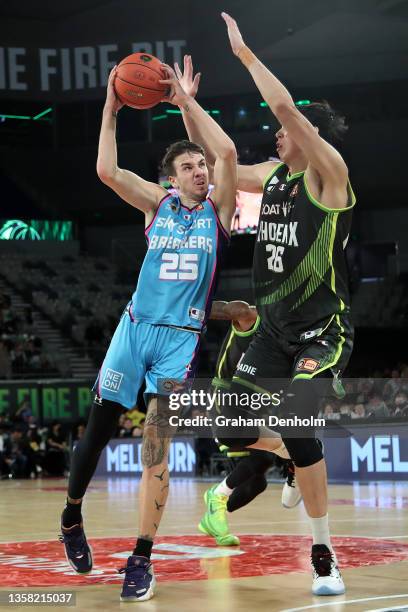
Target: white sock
[222, 489]
[320, 530]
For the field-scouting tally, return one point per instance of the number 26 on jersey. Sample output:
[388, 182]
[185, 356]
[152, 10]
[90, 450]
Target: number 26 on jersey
[275, 260]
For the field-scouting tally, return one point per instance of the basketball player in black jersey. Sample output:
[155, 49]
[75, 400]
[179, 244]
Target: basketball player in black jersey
[300, 284]
[247, 480]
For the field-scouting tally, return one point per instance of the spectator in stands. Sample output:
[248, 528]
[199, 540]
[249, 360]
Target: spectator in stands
[392, 386]
[8, 321]
[330, 413]
[5, 426]
[23, 414]
[5, 423]
[78, 433]
[17, 455]
[137, 432]
[364, 388]
[136, 416]
[18, 357]
[5, 361]
[358, 412]
[345, 412]
[80, 430]
[33, 352]
[376, 407]
[126, 430]
[400, 405]
[55, 461]
[404, 376]
[121, 421]
[36, 445]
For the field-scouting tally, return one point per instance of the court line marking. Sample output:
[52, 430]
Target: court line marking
[344, 602]
[392, 609]
[388, 609]
[196, 534]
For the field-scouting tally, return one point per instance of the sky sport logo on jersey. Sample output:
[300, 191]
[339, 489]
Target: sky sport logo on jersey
[112, 380]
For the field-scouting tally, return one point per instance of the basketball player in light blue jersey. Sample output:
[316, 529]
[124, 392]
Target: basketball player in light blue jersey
[158, 336]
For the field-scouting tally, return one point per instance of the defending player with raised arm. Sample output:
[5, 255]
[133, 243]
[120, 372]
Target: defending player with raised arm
[301, 288]
[158, 337]
[300, 283]
[300, 144]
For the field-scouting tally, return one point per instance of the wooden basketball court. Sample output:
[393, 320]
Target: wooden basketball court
[269, 571]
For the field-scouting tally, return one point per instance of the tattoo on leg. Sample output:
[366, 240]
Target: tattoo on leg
[163, 488]
[154, 451]
[160, 476]
[156, 525]
[157, 420]
[158, 506]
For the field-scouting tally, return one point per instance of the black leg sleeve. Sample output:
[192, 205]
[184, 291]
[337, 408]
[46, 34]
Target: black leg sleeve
[248, 479]
[245, 493]
[101, 427]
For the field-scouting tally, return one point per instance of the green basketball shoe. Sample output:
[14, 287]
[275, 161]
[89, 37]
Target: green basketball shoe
[214, 521]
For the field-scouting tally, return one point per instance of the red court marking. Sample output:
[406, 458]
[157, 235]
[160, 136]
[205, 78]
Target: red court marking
[43, 563]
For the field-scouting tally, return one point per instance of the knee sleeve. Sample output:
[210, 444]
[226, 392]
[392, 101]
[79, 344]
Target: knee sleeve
[246, 492]
[262, 460]
[259, 483]
[303, 451]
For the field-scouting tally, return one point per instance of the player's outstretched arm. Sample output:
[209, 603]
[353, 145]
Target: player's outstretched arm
[189, 83]
[321, 156]
[215, 139]
[250, 178]
[236, 310]
[129, 186]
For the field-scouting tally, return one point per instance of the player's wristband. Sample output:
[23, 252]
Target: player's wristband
[246, 56]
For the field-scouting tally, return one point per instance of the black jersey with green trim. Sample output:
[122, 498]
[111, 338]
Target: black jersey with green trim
[299, 271]
[233, 347]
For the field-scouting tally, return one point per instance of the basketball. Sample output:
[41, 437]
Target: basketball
[137, 81]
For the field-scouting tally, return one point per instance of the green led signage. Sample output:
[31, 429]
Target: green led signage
[16, 229]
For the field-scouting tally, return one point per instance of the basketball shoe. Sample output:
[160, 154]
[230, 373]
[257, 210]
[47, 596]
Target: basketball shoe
[214, 521]
[77, 550]
[327, 579]
[291, 496]
[139, 582]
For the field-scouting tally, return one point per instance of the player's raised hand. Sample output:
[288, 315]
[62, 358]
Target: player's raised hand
[235, 36]
[112, 104]
[176, 95]
[186, 80]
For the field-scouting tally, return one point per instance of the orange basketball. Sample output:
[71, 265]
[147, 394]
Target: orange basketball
[137, 81]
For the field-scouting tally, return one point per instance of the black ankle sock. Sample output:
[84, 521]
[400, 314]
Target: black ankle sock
[143, 548]
[72, 514]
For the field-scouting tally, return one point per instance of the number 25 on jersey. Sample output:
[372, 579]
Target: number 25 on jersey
[177, 266]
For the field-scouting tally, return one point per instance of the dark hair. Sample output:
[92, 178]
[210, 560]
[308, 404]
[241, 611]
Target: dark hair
[176, 149]
[332, 126]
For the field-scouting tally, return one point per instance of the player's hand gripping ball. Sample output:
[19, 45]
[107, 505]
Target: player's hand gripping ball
[137, 81]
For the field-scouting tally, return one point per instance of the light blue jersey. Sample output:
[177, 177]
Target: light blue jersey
[175, 289]
[178, 277]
